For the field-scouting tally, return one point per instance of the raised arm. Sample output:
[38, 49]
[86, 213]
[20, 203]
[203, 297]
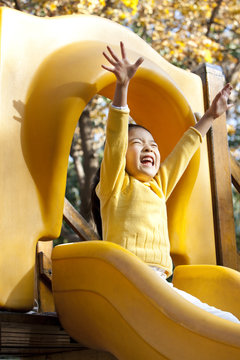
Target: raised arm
[217, 108]
[176, 163]
[113, 164]
[124, 71]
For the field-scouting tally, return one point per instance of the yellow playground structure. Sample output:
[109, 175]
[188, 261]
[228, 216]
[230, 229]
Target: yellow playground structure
[109, 303]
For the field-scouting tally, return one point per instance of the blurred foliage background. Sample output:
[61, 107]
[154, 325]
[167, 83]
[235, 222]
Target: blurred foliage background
[186, 33]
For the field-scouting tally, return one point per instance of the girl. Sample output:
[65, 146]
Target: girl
[134, 186]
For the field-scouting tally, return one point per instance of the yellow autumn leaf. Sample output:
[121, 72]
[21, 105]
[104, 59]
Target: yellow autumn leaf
[122, 16]
[231, 129]
[130, 3]
[220, 56]
[52, 7]
[208, 56]
[182, 44]
[208, 13]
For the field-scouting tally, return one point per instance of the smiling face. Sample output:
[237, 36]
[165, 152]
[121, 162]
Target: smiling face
[142, 157]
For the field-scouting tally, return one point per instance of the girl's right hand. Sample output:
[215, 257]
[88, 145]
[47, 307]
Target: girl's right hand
[122, 69]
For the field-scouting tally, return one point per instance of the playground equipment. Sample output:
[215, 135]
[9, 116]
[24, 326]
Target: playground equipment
[105, 297]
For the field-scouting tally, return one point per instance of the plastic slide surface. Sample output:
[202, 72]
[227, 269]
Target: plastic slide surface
[110, 300]
[50, 69]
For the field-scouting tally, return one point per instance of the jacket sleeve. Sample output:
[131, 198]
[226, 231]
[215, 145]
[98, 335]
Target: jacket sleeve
[176, 163]
[113, 163]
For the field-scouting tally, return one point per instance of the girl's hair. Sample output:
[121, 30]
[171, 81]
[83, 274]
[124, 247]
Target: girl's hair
[95, 202]
[132, 126]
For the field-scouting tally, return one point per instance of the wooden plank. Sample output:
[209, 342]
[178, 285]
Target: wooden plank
[238, 261]
[78, 223]
[213, 80]
[45, 268]
[235, 172]
[29, 334]
[44, 294]
[85, 354]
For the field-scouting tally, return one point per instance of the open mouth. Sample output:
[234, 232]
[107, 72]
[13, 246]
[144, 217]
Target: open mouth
[147, 161]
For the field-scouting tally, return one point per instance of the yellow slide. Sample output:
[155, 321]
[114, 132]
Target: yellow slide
[50, 69]
[108, 299]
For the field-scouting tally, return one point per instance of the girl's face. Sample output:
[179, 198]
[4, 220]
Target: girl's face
[143, 157]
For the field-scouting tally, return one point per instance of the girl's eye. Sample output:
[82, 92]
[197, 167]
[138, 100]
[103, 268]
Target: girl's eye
[154, 145]
[136, 142]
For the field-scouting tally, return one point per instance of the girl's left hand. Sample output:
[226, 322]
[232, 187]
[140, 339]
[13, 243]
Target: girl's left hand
[220, 102]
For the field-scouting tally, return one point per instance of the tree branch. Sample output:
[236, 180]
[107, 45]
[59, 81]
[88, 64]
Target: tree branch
[17, 5]
[229, 75]
[4, 3]
[108, 4]
[75, 154]
[90, 162]
[213, 15]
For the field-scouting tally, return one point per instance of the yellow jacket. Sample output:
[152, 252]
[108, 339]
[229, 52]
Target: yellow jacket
[134, 213]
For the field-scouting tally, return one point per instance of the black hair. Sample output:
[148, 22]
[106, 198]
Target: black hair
[132, 126]
[95, 202]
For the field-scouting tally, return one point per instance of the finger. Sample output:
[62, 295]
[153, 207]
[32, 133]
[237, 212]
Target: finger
[123, 51]
[229, 106]
[109, 59]
[108, 68]
[113, 54]
[228, 87]
[139, 61]
[217, 96]
[226, 92]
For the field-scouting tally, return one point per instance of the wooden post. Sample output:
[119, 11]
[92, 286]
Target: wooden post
[213, 80]
[43, 284]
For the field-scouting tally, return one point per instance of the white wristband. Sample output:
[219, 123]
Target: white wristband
[126, 108]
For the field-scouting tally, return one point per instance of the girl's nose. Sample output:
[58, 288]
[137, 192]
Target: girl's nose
[147, 148]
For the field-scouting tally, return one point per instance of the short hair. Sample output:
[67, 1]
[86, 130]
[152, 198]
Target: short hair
[132, 126]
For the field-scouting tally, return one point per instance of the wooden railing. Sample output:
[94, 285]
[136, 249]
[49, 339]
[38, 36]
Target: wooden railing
[235, 172]
[77, 223]
[235, 175]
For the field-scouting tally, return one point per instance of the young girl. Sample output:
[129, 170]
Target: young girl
[134, 186]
